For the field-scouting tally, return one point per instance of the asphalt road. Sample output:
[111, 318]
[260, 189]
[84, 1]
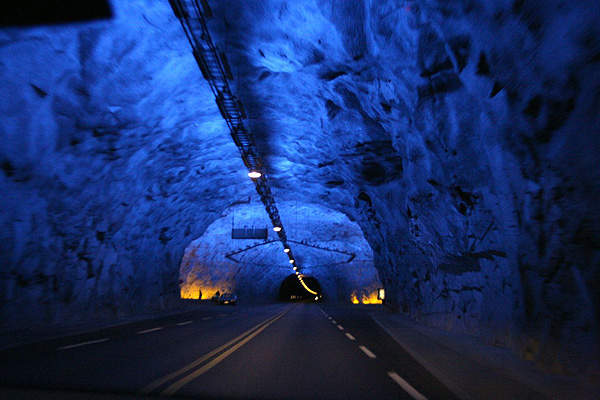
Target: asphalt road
[285, 351]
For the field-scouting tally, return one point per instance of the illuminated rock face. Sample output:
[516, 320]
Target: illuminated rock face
[257, 273]
[460, 138]
[113, 158]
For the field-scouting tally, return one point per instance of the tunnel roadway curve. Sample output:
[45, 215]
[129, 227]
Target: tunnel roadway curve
[278, 351]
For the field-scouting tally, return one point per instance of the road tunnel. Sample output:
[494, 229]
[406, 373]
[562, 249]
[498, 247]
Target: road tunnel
[446, 152]
[309, 289]
[329, 246]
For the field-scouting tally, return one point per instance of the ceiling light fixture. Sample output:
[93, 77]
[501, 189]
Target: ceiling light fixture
[277, 228]
[254, 174]
[307, 288]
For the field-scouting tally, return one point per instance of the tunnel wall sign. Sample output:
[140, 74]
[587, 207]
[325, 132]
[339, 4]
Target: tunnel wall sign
[249, 233]
[380, 294]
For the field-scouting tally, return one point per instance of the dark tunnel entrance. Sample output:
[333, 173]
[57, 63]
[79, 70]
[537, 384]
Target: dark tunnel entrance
[292, 290]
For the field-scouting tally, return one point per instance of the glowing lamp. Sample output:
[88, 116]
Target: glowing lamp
[380, 294]
[286, 250]
[254, 174]
[308, 289]
[295, 268]
[277, 228]
[291, 261]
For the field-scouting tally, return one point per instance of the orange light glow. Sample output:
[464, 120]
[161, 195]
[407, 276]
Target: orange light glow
[199, 282]
[197, 291]
[370, 298]
[189, 292]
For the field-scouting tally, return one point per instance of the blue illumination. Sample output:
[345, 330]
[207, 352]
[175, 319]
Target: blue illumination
[454, 149]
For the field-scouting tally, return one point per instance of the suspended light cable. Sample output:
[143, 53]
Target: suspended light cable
[217, 72]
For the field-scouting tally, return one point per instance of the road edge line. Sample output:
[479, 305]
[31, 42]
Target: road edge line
[450, 385]
[80, 344]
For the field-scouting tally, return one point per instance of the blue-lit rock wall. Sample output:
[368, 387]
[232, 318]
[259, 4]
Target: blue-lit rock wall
[110, 146]
[461, 137]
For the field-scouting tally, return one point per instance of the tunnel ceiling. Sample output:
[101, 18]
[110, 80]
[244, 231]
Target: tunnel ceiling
[457, 135]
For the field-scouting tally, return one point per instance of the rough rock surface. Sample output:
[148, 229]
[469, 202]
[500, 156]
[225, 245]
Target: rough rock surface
[259, 271]
[461, 137]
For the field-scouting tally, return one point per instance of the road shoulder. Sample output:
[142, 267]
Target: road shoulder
[472, 370]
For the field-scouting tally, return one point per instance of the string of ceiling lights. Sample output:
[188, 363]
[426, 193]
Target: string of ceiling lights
[214, 67]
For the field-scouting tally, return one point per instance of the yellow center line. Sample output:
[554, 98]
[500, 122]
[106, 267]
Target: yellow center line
[161, 381]
[187, 379]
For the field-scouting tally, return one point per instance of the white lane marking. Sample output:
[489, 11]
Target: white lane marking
[184, 323]
[72, 346]
[206, 318]
[406, 386]
[368, 352]
[349, 336]
[329, 318]
[158, 328]
[333, 321]
[341, 328]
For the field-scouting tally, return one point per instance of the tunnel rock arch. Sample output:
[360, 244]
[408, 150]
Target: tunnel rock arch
[257, 273]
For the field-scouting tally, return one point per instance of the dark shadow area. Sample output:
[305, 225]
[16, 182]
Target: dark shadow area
[51, 12]
[230, 28]
[292, 290]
